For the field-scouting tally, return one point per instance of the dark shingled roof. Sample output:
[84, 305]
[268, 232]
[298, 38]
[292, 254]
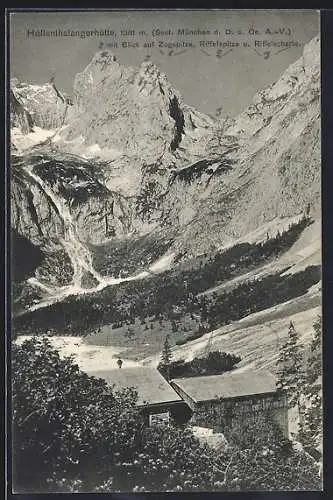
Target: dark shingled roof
[152, 388]
[227, 385]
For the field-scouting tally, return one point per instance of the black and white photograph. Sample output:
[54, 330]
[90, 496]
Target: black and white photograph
[166, 256]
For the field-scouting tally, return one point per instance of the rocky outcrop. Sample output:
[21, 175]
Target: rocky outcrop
[33, 214]
[45, 105]
[19, 116]
[49, 190]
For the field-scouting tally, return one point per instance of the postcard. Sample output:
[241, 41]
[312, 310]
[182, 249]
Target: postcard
[165, 207]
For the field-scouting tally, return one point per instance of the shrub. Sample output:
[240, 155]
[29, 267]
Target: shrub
[214, 363]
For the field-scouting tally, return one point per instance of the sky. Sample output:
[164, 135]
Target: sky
[206, 77]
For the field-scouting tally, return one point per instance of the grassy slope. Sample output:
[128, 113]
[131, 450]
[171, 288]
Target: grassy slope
[257, 337]
[138, 341]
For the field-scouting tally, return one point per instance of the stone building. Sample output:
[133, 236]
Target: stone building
[219, 401]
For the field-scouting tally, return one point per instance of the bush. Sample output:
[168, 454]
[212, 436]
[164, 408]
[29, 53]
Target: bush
[67, 426]
[181, 341]
[214, 363]
[262, 459]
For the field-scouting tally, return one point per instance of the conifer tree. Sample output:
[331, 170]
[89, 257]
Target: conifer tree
[310, 430]
[314, 363]
[166, 358]
[290, 367]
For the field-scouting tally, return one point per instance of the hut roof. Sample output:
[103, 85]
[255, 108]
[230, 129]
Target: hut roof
[152, 388]
[227, 385]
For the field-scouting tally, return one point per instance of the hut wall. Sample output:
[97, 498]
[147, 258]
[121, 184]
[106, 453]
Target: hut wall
[219, 414]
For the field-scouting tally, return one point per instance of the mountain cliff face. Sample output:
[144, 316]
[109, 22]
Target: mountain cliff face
[19, 116]
[126, 157]
[277, 165]
[46, 106]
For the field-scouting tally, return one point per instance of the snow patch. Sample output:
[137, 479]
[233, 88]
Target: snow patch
[25, 141]
[163, 264]
[95, 151]
[77, 146]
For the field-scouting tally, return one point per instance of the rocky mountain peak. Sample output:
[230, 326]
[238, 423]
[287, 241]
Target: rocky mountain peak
[132, 111]
[46, 105]
[311, 56]
[104, 57]
[149, 78]
[150, 71]
[299, 80]
[103, 66]
[118, 110]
